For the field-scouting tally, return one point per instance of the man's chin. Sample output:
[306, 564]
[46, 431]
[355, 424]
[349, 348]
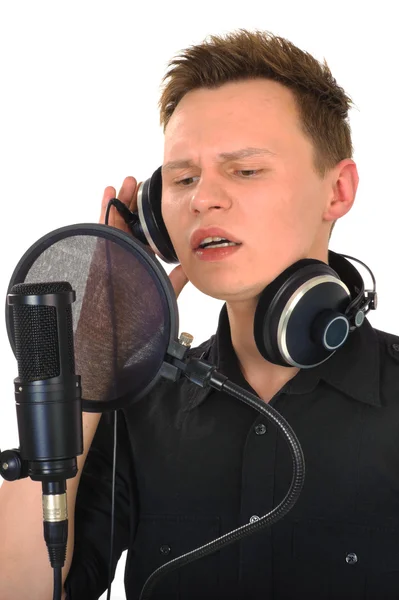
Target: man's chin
[228, 292]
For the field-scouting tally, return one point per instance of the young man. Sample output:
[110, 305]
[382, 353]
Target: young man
[258, 151]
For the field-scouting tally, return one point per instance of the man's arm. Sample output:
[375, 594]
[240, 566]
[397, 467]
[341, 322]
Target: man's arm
[25, 567]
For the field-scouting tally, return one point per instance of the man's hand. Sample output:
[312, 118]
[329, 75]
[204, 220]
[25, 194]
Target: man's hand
[128, 195]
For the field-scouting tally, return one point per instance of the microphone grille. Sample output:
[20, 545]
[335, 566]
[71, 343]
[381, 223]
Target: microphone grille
[36, 333]
[36, 289]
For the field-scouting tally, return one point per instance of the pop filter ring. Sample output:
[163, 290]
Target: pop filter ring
[127, 242]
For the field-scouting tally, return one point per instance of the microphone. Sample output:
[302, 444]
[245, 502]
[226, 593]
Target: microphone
[48, 402]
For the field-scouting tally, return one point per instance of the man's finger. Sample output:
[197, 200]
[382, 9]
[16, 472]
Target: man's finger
[109, 193]
[127, 192]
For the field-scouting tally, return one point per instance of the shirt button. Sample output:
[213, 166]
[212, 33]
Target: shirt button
[395, 347]
[165, 549]
[351, 558]
[254, 518]
[260, 429]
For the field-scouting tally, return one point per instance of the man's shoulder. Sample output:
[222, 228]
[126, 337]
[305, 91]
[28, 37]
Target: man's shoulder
[388, 367]
[388, 343]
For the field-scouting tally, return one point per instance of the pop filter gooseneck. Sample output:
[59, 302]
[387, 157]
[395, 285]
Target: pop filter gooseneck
[125, 335]
[204, 374]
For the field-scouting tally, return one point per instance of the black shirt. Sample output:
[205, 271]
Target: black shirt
[195, 463]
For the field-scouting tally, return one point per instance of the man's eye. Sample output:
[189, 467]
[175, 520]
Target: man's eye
[247, 173]
[186, 182]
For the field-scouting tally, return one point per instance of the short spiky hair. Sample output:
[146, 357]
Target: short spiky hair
[322, 104]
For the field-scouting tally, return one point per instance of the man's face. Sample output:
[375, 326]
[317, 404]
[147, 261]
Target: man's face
[272, 202]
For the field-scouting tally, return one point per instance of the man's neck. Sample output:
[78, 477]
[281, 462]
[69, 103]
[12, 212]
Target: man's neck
[263, 376]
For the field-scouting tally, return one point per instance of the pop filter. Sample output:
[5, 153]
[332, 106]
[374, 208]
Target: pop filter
[125, 315]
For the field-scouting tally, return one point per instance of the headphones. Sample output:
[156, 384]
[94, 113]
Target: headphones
[303, 316]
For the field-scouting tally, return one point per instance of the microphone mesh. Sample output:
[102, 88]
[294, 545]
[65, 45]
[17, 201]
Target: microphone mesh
[36, 333]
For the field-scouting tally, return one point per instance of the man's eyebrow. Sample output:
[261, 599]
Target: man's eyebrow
[177, 164]
[224, 156]
[245, 153]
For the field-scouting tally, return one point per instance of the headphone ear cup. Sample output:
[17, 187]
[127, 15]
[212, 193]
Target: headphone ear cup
[150, 228]
[299, 319]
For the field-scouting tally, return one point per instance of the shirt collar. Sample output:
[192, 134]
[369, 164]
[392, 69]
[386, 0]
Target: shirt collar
[353, 369]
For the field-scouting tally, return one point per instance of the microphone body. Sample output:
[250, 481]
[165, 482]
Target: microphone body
[48, 399]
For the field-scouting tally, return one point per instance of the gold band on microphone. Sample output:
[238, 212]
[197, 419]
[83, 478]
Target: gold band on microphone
[55, 507]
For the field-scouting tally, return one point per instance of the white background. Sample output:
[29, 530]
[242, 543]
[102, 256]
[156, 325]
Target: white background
[78, 97]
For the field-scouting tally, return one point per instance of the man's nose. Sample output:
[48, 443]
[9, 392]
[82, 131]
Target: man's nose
[209, 194]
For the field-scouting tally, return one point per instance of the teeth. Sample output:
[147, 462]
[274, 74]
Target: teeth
[211, 239]
[222, 245]
[219, 242]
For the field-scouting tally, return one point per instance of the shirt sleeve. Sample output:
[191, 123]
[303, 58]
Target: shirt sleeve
[88, 576]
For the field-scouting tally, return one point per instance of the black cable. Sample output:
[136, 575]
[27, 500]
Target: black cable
[56, 532]
[116, 203]
[57, 593]
[110, 203]
[130, 218]
[111, 554]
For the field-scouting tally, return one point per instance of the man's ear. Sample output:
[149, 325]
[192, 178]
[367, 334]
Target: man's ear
[344, 181]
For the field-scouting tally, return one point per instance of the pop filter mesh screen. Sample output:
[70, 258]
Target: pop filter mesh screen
[120, 315]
